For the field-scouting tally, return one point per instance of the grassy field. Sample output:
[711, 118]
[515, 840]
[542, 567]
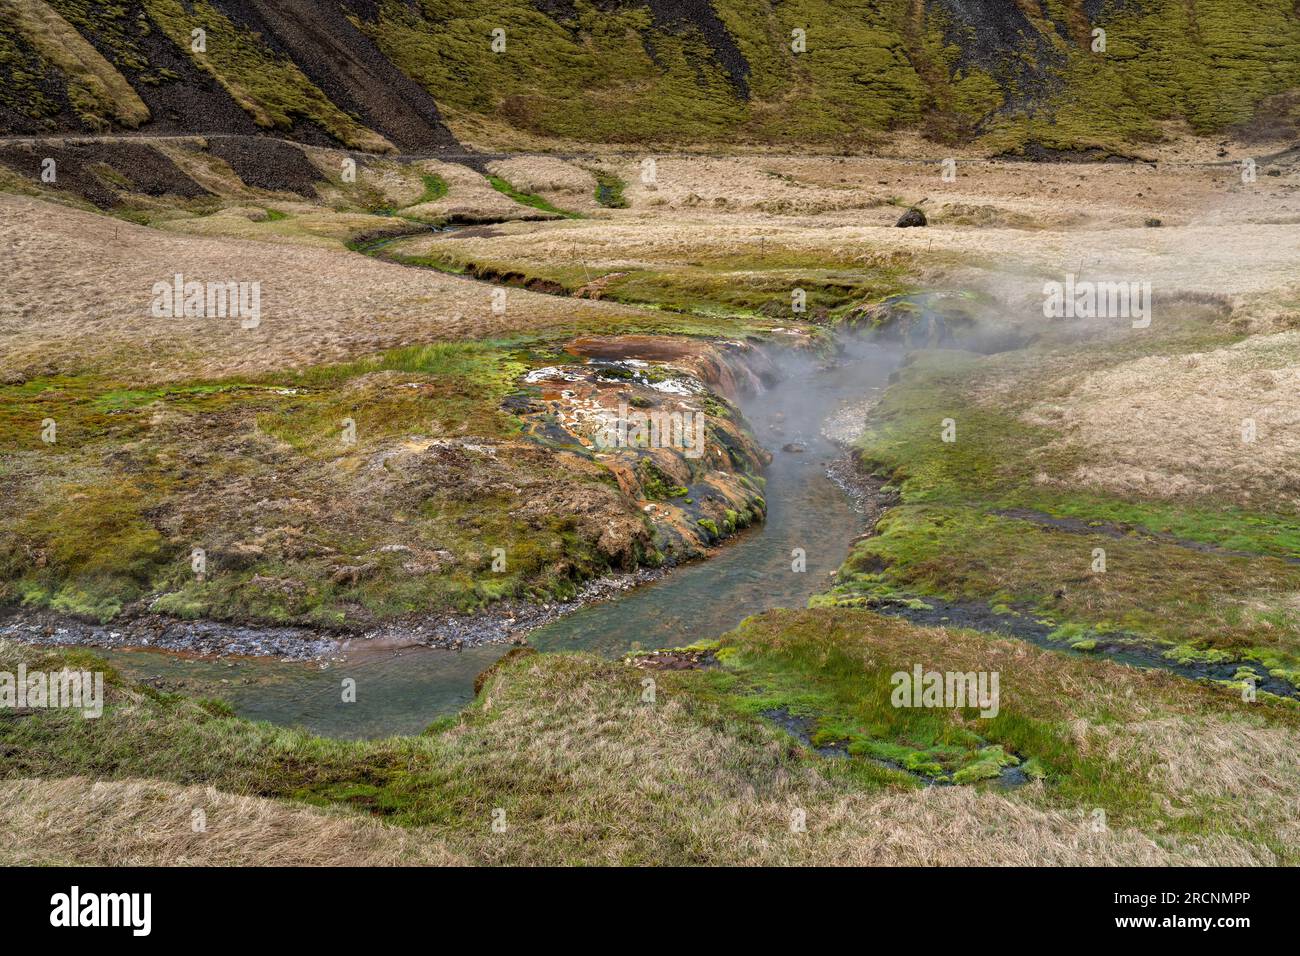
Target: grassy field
[1017, 509]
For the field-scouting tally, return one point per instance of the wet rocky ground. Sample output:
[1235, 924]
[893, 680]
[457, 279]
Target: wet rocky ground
[504, 623]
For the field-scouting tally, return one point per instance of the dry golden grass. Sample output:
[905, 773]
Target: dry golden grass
[1001, 227]
[1173, 425]
[1058, 196]
[396, 184]
[79, 284]
[1245, 774]
[78, 291]
[78, 822]
[958, 826]
[309, 225]
[563, 184]
[469, 197]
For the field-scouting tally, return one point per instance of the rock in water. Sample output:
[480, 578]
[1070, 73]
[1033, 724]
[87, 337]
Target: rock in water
[913, 217]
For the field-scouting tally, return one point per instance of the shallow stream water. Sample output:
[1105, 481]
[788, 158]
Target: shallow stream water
[400, 691]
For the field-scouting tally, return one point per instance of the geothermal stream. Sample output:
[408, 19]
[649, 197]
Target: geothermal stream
[401, 690]
[402, 686]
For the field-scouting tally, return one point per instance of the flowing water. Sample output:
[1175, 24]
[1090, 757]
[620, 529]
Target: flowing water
[400, 691]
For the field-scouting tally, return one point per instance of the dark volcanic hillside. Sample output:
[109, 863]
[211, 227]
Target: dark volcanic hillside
[1010, 75]
[344, 63]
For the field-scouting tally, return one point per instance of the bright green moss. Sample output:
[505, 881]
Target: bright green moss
[528, 199]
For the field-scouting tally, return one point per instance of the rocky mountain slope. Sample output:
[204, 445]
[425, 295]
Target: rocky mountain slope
[1014, 76]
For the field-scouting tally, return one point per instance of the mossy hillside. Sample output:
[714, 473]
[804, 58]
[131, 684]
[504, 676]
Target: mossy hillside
[118, 25]
[867, 68]
[1206, 64]
[603, 83]
[34, 91]
[962, 94]
[78, 536]
[273, 90]
[109, 514]
[98, 94]
[856, 74]
[97, 548]
[598, 84]
[592, 73]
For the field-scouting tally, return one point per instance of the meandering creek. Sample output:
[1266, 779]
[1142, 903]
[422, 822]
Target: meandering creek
[400, 691]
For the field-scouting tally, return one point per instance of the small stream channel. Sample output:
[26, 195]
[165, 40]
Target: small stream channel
[400, 691]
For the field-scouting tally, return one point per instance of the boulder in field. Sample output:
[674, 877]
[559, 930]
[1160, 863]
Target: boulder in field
[913, 217]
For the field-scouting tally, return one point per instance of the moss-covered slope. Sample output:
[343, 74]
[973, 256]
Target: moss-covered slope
[1019, 75]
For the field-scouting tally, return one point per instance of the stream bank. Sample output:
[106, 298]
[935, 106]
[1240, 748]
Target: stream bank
[810, 524]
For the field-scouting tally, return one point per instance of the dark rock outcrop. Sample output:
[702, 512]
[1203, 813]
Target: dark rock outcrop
[913, 217]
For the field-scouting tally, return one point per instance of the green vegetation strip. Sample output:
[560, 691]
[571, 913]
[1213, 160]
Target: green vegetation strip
[528, 199]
